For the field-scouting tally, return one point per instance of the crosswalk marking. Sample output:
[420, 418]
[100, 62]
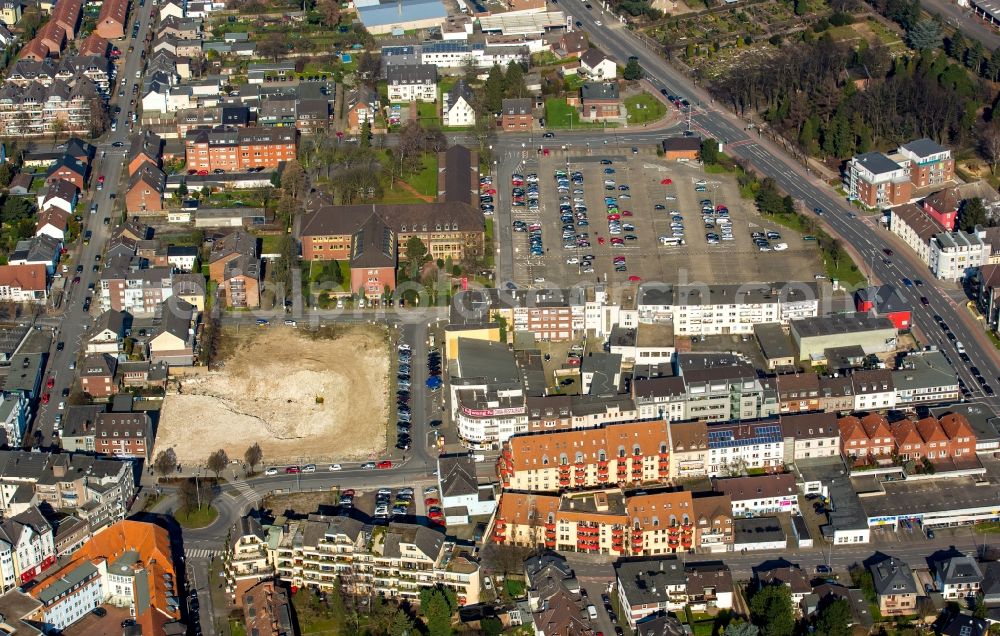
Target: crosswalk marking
[201, 553]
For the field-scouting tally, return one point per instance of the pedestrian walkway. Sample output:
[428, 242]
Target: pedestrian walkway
[201, 553]
[245, 494]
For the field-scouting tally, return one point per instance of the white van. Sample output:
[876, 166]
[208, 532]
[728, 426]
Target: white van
[592, 612]
[960, 346]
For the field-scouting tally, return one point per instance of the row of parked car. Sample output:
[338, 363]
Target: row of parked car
[403, 414]
[486, 194]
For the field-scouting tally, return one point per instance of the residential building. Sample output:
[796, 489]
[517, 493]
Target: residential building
[241, 282]
[68, 169]
[23, 283]
[107, 334]
[808, 435]
[247, 559]
[722, 387]
[943, 207]
[516, 114]
[137, 291]
[97, 375]
[597, 521]
[267, 610]
[690, 449]
[623, 454]
[956, 255]
[53, 222]
[462, 496]
[38, 250]
[949, 439]
[144, 193]
[174, 344]
[646, 588]
[323, 551]
[15, 410]
[698, 310]
[986, 285]
[884, 300]
[798, 392]
[238, 149]
[10, 12]
[873, 390]
[964, 625]
[958, 578]
[182, 257]
[597, 65]
[922, 377]
[929, 163]
[27, 547]
[600, 101]
[361, 104]
[112, 19]
[713, 514]
[129, 565]
[877, 181]
[916, 227]
[98, 491]
[895, 588]
[59, 194]
[555, 597]
[456, 107]
[411, 82]
[124, 435]
[146, 148]
[760, 494]
[866, 438]
[792, 577]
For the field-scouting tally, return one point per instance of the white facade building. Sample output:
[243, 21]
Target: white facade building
[955, 255]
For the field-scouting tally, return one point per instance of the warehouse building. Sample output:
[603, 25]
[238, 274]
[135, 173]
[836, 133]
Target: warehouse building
[874, 334]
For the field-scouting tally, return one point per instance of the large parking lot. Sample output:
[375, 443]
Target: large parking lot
[616, 218]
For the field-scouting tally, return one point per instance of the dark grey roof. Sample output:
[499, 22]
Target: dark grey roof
[965, 625]
[648, 581]
[959, 569]
[659, 625]
[924, 147]
[601, 90]
[458, 475]
[245, 527]
[460, 171]
[876, 163]
[460, 89]
[517, 106]
[832, 324]
[406, 74]
[885, 299]
[773, 340]
[484, 359]
[757, 530]
[892, 576]
[373, 244]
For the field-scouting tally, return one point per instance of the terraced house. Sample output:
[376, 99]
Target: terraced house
[395, 560]
[630, 453]
[598, 522]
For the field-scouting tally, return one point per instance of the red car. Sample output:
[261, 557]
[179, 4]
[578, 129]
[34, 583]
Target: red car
[45, 398]
[384, 464]
[634, 279]
[51, 383]
[573, 362]
[435, 515]
[100, 179]
[600, 240]
[291, 470]
[76, 279]
[627, 213]
[492, 192]
[614, 217]
[347, 493]
[431, 501]
[202, 173]
[617, 241]
[440, 521]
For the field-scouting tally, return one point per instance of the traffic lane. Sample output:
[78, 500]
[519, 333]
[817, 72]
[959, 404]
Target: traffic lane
[965, 20]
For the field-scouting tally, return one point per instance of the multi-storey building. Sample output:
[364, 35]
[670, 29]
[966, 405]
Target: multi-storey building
[248, 558]
[956, 255]
[722, 387]
[719, 309]
[929, 163]
[127, 435]
[239, 149]
[895, 587]
[487, 394]
[873, 390]
[27, 547]
[958, 577]
[923, 377]
[877, 181]
[713, 513]
[140, 292]
[916, 227]
[647, 588]
[733, 448]
[99, 491]
[128, 565]
[758, 495]
[23, 283]
[622, 454]
[33, 110]
[598, 522]
[950, 438]
[412, 82]
[866, 438]
[810, 435]
[341, 553]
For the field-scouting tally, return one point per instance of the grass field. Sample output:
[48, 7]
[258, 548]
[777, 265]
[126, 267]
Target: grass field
[559, 114]
[427, 114]
[644, 108]
[270, 243]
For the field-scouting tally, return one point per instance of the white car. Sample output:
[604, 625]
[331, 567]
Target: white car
[598, 22]
[335, 467]
[271, 471]
[309, 468]
[539, 279]
[430, 490]
[62, 405]
[572, 260]
[780, 247]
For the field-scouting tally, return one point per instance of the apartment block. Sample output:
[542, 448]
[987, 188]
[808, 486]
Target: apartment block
[758, 495]
[597, 522]
[877, 181]
[411, 82]
[648, 588]
[239, 149]
[956, 255]
[929, 163]
[397, 561]
[623, 454]
[33, 110]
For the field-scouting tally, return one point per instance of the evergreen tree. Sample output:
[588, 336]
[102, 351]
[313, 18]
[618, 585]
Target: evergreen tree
[514, 81]
[924, 35]
[956, 46]
[834, 619]
[974, 57]
[495, 89]
[632, 70]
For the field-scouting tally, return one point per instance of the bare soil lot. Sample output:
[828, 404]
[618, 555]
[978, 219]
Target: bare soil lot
[304, 397]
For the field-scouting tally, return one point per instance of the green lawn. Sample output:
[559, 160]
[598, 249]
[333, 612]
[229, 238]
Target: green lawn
[514, 588]
[559, 114]
[426, 181]
[196, 518]
[845, 271]
[270, 244]
[644, 108]
[427, 114]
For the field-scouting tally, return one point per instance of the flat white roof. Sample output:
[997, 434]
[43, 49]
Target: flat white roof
[523, 24]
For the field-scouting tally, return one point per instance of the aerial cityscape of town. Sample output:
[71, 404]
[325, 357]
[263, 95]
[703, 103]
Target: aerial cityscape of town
[310, 323]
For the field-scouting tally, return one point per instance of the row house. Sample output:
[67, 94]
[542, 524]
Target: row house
[916, 227]
[239, 149]
[552, 413]
[597, 522]
[623, 454]
[27, 547]
[809, 435]
[342, 554]
[872, 438]
[873, 390]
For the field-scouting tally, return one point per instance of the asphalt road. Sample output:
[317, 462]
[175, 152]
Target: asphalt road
[74, 320]
[964, 19]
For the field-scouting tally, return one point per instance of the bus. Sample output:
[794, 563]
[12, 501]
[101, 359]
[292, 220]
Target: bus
[671, 240]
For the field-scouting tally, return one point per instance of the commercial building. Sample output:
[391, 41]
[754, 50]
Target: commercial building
[239, 149]
[487, 394]
[847, 520]
[380, 17]
[342, 553]
[884, 300]
[682, 148]
[759, 533]
[812, 336]
[129, 565]
[623, 454]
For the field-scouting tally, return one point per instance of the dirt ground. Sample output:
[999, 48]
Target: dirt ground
[303, 397]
